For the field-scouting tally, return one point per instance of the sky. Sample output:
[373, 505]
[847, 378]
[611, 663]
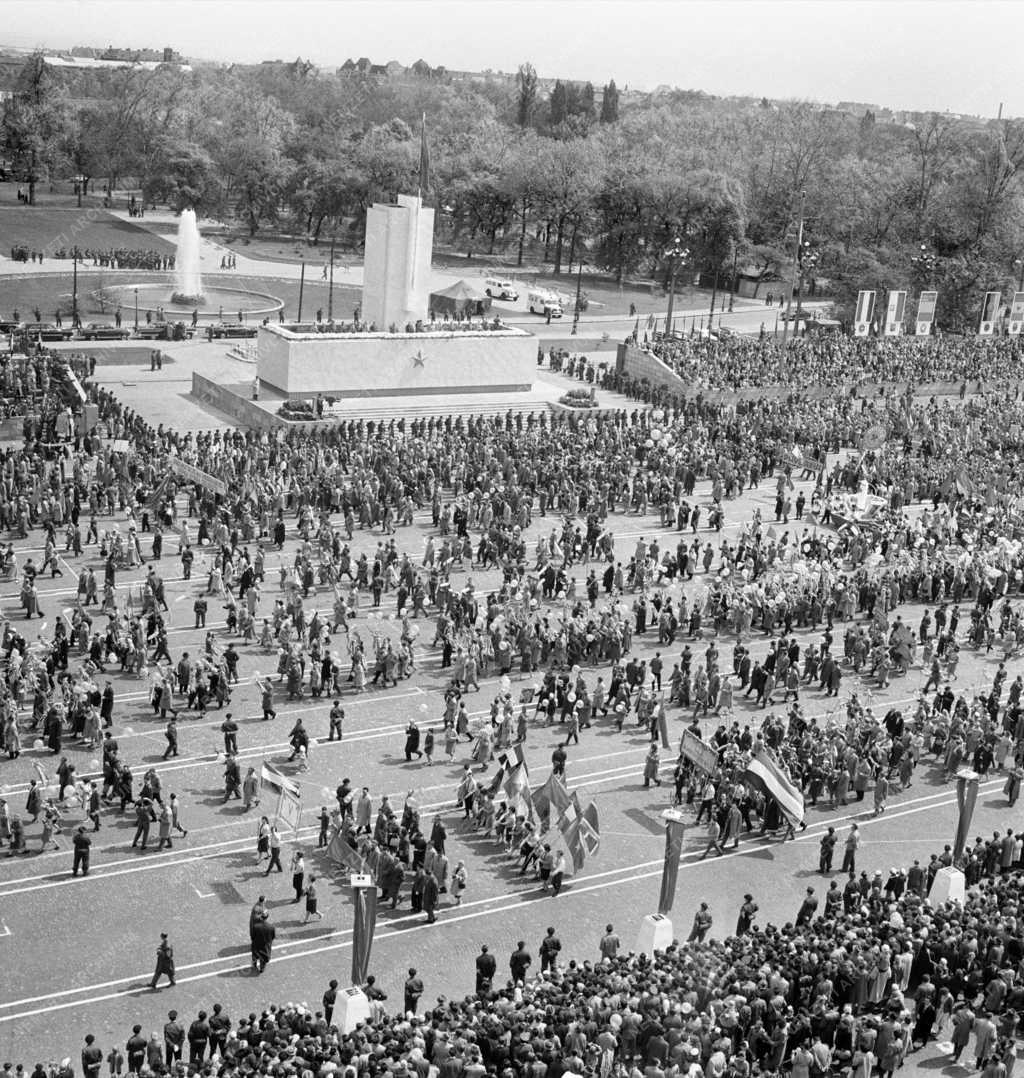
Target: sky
[909, 54]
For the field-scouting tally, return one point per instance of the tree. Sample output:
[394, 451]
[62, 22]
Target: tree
[184, 176]
[526, 94]
[558, 104]
[33, 122]
[610, 103]
[568, 174]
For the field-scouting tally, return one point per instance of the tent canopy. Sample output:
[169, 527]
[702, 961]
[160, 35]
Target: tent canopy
[461, 296]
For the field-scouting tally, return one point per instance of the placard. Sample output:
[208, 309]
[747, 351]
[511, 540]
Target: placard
[894, 313]
[926, 304]
[865, 312]
[989, 314]
[703, 755]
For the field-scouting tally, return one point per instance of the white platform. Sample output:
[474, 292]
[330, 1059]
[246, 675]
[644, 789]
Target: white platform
[655, 934]
[949, 885]
[351, 1007]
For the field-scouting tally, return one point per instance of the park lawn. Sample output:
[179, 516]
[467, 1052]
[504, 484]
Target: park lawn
[47, 228]
[47, 291]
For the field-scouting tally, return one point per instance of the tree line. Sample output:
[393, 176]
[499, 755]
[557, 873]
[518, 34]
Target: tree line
[564, 173]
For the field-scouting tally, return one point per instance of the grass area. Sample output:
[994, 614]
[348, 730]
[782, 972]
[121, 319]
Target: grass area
[47, 228]
[47, 292]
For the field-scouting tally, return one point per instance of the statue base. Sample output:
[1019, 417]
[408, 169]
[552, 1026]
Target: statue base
[655, 934]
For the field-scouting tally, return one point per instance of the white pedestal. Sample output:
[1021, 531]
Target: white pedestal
[948, 886]
[351, 1007]
[655, 934]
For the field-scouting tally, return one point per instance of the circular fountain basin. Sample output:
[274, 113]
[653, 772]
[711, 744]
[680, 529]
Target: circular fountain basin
[218, 301]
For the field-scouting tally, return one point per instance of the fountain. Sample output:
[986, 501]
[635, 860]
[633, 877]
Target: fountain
[188, 281]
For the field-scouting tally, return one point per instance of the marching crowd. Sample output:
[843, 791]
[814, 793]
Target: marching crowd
[855, 988]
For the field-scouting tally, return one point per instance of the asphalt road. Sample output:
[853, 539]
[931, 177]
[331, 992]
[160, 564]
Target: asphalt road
[77, 954]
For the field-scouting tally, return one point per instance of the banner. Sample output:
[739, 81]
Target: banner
[364, 921]
[289, 809]
[191, 474]
[989, 314]
[865, 313]
[517, 790]
[703, 755]
[663, 724]
[765, 774]
[1016, 314]
[966, 796]
[895, 313]
[926, 313]
[507, 760]
[675, 829]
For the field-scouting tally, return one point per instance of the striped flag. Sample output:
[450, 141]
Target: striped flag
[341, 853]
[271, 778]
[765, 774]
[517, 790]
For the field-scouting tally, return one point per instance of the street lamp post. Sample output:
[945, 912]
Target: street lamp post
[924, 263]
[330, 287]
[796, 269]
[579, 286]
[74, 288]
[676, 253]
[1020, 277]
[136, 291]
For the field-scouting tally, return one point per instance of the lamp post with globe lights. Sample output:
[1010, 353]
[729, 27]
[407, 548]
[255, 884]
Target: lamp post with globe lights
[676, 253]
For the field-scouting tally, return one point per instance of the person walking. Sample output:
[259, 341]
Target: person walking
[312, 908]
[274, 844]
[164, 962]
[431, 892]
[748, 911]
[701, 924]
[175, 816]
[550, 945]
[486, 966]
[826, 849]
[298, 871]
[557, 873]
[713, 835]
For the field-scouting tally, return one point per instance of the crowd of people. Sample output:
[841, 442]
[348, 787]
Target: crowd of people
[857, 987]
[133, 258]
[835, 360]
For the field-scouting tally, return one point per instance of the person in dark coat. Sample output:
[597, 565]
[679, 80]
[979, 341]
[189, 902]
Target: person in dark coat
[263, 933]
[164, 961]
[431, 891]
[412, 742]
[485, 969]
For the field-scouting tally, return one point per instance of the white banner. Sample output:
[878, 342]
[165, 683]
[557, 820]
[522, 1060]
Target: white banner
[926, 304]
[865, 312]
[894, 313]
[989, 314]
[1016, 314]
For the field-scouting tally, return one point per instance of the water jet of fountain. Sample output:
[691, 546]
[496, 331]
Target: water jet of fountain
[188, 283]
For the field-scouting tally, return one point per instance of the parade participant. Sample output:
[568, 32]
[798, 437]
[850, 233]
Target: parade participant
[164, 962]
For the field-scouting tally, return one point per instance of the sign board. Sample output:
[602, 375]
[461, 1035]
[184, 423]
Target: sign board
[926, 304]
[894, 313]
[865, 312]
[700, 752]
[1016, 314]
[989, 314]
[120, 445]
[289, 809]
[191, 474]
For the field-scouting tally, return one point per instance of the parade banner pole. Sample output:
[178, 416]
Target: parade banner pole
[656, 928]
[950, 884]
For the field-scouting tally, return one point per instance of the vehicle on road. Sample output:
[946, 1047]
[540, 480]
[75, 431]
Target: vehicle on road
[47, 331]
[501, 288]
[544, 303]
[103, 331]
[230, 329]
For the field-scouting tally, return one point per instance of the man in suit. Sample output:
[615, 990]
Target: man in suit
[485, 968]
[164, 961]
[263, 933]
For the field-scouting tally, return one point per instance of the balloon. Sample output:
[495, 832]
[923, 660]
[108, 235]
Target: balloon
[649, 444]
[656, 434]
[38, 743]
[129, 730]
[572, 698]
[325, 791]
[657, 415]
[424, 708]
[94, 762]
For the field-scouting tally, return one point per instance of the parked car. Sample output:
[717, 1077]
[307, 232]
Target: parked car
[164, 331]
[544, 303]
[47, 331]
[7, 327]
[230, 329]
[104, 331]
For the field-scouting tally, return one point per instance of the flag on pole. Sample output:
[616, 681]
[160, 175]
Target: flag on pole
[764, 773]
[583, 836]
[507, 760]
[342, 853]
[364, 920]
[550, 802]
[517, 790]
[675, 830]
[424, 158]
[573, 811]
